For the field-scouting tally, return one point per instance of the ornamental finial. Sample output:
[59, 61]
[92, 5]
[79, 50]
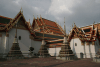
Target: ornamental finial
[29, 20]
[74, 24]
[33, 16]
[21, 10]
[94, 23]
[37, 16]
[40, 15]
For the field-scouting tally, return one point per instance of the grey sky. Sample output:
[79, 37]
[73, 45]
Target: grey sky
[82, 12]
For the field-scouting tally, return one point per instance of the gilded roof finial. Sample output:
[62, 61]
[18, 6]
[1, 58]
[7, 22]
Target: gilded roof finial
[21, 10]
[33, 16]
[72, 25]
[29, 20]
[94, 23]
[37, 17]
[55, 20]
[40, 15]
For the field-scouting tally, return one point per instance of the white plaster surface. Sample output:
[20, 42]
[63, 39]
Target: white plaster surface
[25, 41]
[89, 51]
[36, 45]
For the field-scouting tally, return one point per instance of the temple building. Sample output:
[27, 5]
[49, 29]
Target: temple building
[53, 34]
[29, 35]
[7, 32]
[85, 40]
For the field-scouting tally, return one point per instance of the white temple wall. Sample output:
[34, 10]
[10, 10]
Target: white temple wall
[88, 51]
[92, 49]
[2, 43]
[24, 42]
[78, 48]
[97, 46]
[54, 51]
[36, 45]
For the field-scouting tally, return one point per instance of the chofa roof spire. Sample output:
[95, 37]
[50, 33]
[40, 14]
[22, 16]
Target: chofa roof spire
[37, 17]
[94, 23]
[33, 16]
[40, 16]
[21, 10]
[74, 24]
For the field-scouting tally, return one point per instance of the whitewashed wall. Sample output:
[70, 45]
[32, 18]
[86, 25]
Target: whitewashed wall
[25, 41]
[76, 49]
[36, 45]
[97, 45]
[54, 51]
[88, 50]
[2, 43]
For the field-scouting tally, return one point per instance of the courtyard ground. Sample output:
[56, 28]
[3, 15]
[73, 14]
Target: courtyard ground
[48, 62]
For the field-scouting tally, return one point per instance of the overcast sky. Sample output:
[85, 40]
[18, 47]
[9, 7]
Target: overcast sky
[82, 12]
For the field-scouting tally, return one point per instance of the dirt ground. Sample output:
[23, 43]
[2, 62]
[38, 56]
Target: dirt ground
[48, 62]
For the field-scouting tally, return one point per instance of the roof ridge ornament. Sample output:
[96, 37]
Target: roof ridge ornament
[74, 24]
[94, 23]
[21, 10]
[40, 16]
[33, 16]
[37, 17]
[29, 20]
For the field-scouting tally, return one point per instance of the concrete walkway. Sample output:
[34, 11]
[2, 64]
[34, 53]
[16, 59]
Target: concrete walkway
[48, 62]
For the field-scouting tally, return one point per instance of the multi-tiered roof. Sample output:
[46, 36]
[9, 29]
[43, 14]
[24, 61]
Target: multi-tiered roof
[87, 33]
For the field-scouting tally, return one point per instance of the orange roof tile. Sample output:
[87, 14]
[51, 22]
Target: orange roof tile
[50, 26]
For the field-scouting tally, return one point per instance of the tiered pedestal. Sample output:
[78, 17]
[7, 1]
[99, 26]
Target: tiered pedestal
[43, 52]
[65, 53]
[15, 51]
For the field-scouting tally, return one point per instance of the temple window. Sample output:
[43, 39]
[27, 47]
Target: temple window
[87, 30]
[75, 44]
[19, 37]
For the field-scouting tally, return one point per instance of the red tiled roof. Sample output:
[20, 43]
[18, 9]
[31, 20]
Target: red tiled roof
[5, 17]
[50, 26]
[50, 23]
[85, 36]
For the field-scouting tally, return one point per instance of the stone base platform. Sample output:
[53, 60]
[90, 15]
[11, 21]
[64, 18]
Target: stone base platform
[96, 59]
[43, 56]
[66, 58]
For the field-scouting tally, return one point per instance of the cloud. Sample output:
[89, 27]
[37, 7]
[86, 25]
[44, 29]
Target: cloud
[82, 12]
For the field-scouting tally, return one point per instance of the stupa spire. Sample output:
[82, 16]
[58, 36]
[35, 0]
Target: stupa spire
[64, 27]
[16, 30]
[43, 32]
